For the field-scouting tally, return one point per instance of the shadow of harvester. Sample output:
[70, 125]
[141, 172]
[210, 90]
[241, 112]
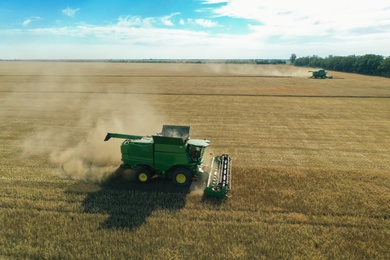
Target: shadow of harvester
[129, 204]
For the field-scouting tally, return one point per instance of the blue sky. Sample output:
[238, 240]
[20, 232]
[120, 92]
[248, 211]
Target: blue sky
[215, 29]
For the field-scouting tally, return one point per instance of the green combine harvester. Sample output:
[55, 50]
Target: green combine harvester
[319, 74]
[172, 154]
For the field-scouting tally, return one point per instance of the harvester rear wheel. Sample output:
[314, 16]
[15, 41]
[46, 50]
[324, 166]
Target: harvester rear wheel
[144, 175]
[181, 176]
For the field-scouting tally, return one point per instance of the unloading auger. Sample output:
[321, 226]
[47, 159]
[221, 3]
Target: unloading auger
[172, 154]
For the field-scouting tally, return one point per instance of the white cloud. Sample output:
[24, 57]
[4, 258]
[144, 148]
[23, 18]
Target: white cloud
[303, 17]
[166, 20]
[115, 41]
[206, 23]
[202, 22]
[136, 21]
[215, 1]
[70, 12]
[130, 21]
[29, 20]
[276, 29]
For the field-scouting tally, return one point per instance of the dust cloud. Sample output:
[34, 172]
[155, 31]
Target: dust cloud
[80, 151]
[70, 122]
[257, 70]
[87, 158]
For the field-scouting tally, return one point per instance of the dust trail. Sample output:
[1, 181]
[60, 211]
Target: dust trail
[74, 126]
[87, 158]
[81, 154]
[90, 158]
[258, 70]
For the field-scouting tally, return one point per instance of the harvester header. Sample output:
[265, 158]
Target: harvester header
[172, 154]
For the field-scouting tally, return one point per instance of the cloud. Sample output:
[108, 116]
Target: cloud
[136, 21]
[201, 22]
[301, 17]
[29, 20]
[70, 12]
[266, 30]
[121, 42]
[130, 21]
[215, 1]
[206, 23]
[337, 28]
[166, 20]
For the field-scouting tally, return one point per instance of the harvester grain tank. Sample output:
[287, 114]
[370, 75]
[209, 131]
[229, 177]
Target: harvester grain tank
[172, 154]
[319, 74]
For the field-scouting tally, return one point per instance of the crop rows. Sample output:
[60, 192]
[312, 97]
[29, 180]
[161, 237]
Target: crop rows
[310, 163]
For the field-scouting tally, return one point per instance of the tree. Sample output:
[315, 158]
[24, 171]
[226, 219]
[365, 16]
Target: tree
[369, 64]
[384, 67]
[293, 57]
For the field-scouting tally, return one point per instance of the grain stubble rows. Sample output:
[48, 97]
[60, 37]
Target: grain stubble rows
[310, 162]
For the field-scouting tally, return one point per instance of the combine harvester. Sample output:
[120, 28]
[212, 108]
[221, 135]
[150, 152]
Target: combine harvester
[172, 154]
[319, 74]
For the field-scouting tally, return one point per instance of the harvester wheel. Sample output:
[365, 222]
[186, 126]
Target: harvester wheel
[143, 175]
[181, 176]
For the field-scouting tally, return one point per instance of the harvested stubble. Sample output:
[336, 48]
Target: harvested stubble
[311, 162]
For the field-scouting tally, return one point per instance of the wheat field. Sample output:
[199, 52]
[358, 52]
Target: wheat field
[311, 162]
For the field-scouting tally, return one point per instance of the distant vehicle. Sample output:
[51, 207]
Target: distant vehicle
[319, 74]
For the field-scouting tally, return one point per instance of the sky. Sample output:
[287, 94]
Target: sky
[192, 29]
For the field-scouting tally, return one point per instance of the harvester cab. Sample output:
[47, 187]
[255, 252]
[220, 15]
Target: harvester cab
[173, 154]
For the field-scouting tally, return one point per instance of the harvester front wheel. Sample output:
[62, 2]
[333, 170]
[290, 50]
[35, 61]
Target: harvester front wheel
[144, 175]
[181, 176]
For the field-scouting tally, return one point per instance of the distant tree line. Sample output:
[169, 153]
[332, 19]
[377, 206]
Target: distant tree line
[369, 64]
[270, 61]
